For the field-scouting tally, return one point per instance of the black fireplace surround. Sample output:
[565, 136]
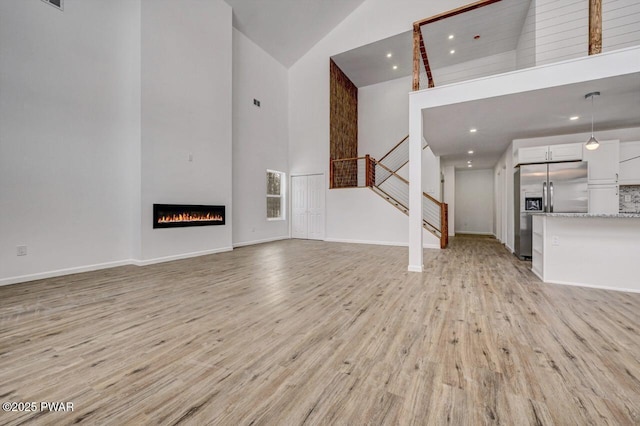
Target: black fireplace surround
[182, 215]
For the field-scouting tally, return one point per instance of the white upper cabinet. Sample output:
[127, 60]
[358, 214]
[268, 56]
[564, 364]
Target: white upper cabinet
[604, 163]
[630, 163]
[536, 154]
[551, 153]
[565, 152]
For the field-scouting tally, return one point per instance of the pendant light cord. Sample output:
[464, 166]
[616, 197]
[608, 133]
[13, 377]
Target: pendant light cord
[592, 115]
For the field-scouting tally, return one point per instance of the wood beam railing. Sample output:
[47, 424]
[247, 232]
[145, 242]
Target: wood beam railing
[419, 49]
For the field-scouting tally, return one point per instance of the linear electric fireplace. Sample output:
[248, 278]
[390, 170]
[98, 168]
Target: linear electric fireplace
[181, 215]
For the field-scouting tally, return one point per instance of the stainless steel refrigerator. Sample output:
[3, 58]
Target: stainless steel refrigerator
[551, 187]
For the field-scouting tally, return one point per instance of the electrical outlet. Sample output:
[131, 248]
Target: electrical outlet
[555, 240]
[21, 250]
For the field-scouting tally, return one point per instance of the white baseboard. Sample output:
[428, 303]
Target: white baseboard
[599, 287]
[106, 265]
[415, 268]
[378, 243]
[145, 262]
[475, 233]
[61, 272]
[266, 240]
[509, 247]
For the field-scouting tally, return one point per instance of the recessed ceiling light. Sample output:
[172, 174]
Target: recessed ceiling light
[469, 165]
[473, 130]
[451, 37]
[395, 67]
[469, 162]
[470, 152]
[389, 55]
[452, 51]
[575, 117]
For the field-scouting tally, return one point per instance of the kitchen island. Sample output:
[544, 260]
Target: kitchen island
[591, 250]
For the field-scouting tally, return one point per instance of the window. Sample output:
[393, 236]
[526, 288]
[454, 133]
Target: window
[275, 195]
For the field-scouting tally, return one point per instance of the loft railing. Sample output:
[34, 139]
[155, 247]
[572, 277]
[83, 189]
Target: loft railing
[360, 172]
[491, 37]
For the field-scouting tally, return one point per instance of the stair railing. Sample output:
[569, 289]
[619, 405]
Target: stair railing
[360, 172]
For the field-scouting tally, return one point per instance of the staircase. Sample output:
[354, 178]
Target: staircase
[382, 178]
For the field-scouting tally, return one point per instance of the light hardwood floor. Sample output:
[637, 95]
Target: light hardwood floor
[304, 332]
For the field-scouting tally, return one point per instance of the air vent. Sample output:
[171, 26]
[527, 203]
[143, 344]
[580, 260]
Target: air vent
[59, 4]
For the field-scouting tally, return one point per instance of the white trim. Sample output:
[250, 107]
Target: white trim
[378, 243]
[599, 287]
[265, 240]
[488, 234]
[138, 262]
[509, 247]
[414, 268]
[62, 272]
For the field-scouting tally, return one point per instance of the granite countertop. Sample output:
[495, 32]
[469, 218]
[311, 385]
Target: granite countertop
[600, 215]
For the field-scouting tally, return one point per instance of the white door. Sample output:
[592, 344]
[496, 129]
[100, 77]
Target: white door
[299, 219]
[307, 205]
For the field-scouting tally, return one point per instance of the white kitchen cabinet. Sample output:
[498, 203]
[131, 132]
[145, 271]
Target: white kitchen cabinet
[604, 163]
[565, 152]
[536, 154]
[630, 169]
[604, 199]
[550, 153]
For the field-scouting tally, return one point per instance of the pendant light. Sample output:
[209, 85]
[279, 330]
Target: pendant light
[592, 143]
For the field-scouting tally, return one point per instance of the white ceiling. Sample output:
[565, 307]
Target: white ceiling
[525, 115]
[369, 64]
[287, 29]
[499, 26]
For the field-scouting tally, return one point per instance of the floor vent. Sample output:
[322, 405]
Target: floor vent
[59, 4]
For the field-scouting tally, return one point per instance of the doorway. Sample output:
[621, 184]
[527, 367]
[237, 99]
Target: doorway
[307, 206]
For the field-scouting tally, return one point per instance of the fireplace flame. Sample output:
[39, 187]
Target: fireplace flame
[190, 217]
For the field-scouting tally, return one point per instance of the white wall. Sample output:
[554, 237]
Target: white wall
[186, 109]
[383, 121]
[69, 135]
[260, 139]
[369, 219]
[449, 196]
[383, 116]
[474, 201]
[489, 65]
[620, 24]
[526, 47]
[562, 30]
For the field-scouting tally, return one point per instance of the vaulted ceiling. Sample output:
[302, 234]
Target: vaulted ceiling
[287, 29]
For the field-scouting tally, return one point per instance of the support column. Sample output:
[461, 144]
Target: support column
[595, 27]
[415, 188]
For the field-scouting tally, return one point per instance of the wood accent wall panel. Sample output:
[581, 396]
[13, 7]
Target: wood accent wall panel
[343, 119]
[595, 27]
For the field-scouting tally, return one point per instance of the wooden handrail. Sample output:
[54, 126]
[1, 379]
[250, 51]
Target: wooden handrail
[390, 171]
[349, 159]
[454, 12]
[393, 149]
